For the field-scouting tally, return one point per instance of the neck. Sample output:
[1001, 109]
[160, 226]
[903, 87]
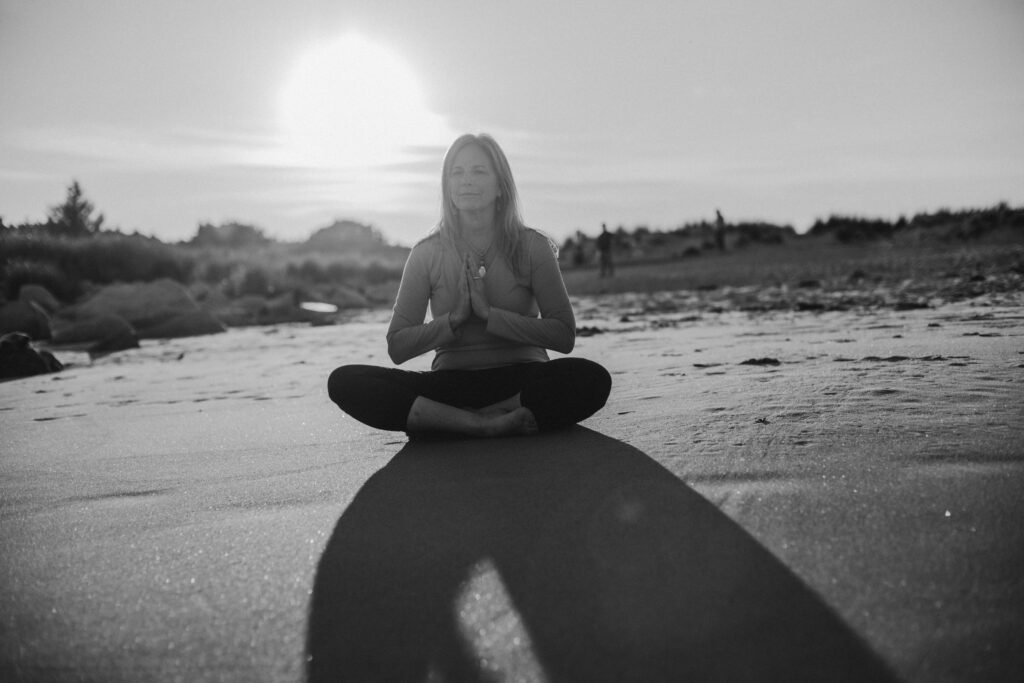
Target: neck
[477, 223]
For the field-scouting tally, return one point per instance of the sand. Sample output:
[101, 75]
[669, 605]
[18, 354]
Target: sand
[164, 510]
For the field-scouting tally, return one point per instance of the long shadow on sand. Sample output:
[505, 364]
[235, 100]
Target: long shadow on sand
[569, 556]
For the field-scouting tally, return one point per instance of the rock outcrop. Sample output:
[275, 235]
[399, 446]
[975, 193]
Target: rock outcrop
[104, 333]
[25, 317]
[19, 359]
[40, 296]
[189, 324]
[155, 310]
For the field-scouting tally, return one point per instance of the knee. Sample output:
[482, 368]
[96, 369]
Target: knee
[595, 382]
[344, 382]
[589, 382]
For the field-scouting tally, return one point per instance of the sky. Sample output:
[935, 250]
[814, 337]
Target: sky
[288, 115]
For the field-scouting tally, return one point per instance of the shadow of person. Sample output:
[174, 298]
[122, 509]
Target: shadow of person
[567, 556]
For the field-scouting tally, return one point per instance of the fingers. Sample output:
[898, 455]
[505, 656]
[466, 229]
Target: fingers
[472, 272]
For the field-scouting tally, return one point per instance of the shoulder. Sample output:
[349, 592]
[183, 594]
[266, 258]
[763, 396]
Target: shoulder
[538, 245]
[427, 249]
[431, 242]
[424, 255]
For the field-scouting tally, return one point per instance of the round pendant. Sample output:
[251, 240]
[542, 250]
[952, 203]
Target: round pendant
[482, 271]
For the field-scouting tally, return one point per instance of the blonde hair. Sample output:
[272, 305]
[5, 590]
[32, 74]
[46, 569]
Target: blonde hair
[509, 223]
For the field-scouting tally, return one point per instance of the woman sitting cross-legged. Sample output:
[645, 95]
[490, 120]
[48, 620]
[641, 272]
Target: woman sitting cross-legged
[497, 301]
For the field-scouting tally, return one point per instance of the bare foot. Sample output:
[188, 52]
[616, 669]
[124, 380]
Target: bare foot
[507, 405]
[518, 421]
[493, 412]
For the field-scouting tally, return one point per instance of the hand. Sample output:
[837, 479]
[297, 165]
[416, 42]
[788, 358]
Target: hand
[477, 294]
[463, 306]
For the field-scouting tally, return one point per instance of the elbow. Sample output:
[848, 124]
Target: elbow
[396, 355]
[568, 341]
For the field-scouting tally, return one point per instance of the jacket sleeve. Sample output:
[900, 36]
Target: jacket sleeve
[408, 336]
[555, 329]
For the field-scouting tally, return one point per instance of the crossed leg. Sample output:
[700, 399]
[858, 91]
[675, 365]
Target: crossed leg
[519, 399]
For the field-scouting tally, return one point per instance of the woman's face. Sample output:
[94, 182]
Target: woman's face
[472, 180]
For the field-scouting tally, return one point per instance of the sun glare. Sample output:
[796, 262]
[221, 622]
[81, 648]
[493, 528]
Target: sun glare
[353, 103]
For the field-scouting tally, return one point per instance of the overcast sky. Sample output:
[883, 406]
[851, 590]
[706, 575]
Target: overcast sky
[290, 114]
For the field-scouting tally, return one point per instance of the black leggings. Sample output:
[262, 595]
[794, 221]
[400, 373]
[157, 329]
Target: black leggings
[558, 392]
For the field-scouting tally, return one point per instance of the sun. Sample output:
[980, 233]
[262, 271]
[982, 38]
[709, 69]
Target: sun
[354, 103]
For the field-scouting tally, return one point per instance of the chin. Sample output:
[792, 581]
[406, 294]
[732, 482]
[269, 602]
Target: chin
[473, 206]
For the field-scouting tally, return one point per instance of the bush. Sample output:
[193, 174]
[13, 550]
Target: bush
[102, 259]
[340, 272]
[16, 273]
[231, 234]
[213, 272]
[255, 281]
[848, 229]
[377, 274]
[307, 271]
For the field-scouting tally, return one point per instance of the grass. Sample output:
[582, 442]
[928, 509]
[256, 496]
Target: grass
[805, 262]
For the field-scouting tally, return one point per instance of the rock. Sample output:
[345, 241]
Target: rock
[40, 296]
[19, 359]
[346, 297]
[120, 341]
[155, 310]
[238, 312]
[281, 309]
[103, 333]
[25, 317]
[143, 304]
[317, 306]
[191, 324]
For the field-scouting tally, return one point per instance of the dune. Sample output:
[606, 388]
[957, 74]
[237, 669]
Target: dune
[176, 511]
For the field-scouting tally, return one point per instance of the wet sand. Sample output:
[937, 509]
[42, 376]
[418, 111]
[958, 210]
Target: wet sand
[164, 510]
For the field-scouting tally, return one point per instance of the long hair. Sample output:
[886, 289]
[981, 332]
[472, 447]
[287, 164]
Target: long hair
[509, 223]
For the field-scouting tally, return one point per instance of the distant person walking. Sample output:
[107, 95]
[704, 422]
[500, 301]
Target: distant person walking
[578, 257]
[604, 246]
[719, 230]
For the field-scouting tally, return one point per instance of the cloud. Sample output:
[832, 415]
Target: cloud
[140, 149]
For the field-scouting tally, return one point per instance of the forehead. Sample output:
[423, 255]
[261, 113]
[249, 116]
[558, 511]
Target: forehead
[471, 155]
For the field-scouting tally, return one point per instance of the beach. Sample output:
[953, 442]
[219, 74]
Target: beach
[164, 509]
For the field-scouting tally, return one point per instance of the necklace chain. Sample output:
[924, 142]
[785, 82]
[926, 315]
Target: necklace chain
[481, 257]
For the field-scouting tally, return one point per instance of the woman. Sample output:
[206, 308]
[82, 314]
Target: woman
[497, 301]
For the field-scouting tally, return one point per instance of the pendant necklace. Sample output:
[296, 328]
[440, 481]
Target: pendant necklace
[481, 259]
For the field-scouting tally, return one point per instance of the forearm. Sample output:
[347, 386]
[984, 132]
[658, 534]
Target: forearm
[556, 332]
[414, 340]
[555, 329]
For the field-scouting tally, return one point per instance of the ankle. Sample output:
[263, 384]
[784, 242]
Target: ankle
[515, 422]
